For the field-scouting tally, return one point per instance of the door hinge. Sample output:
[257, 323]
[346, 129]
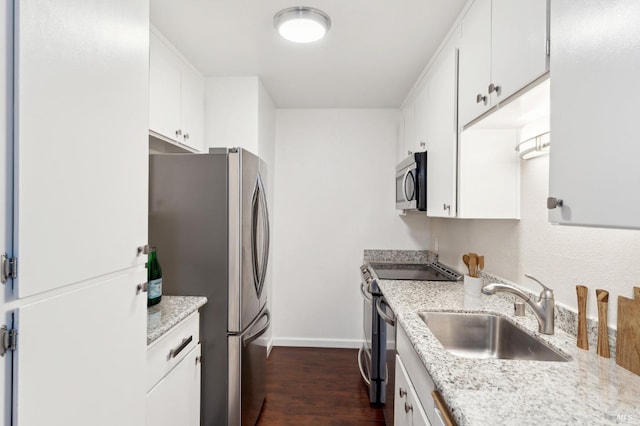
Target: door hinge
[8, 267]
[548, 47]
[8, 340]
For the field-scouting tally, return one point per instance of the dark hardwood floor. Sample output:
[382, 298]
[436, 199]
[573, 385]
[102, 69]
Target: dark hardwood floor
[316, 386]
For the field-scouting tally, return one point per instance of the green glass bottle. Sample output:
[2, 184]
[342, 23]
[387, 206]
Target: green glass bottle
[154, 279]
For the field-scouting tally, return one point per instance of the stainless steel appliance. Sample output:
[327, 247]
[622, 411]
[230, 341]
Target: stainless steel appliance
[376, 358]
[208, 219]
[411, 182]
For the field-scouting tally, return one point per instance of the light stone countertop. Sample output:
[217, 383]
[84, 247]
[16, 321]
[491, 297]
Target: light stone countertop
[169, 312]
[588, 389]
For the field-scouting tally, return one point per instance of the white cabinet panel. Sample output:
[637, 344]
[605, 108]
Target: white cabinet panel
[81, 139]
[475, 61]
[407, 408]
[164, 89]
[175, 400]
[595, 56]
[409, 131]
[80, 359]
[420, 121]
[518, 40]
[489, 178]
[176, 96]
[442, 134]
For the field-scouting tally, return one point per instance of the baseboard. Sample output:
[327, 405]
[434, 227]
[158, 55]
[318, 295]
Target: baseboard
[317, 343]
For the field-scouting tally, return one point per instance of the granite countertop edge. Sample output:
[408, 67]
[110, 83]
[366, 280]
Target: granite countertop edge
[169, 312]
[588, 389]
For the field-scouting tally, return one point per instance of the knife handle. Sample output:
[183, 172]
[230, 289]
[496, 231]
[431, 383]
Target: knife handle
[603, 330]
[583, 341]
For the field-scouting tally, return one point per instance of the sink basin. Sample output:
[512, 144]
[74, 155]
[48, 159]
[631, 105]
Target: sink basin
[487, 336]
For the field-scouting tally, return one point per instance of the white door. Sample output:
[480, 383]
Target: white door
[6, 165]
[81, 121]
[593, 166]
[164, 90]
[442, 135]
[475, 61]
[420, 142]
[518, 44]
[81, 356]
[192, 108]
[175, 400]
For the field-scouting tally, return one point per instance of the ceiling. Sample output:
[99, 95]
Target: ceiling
[370, 58]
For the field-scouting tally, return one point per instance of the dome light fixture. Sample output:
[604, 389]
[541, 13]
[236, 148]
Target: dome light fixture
[302, 24]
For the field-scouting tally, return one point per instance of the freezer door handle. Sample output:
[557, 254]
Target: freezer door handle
[253, 336]
[259, 207]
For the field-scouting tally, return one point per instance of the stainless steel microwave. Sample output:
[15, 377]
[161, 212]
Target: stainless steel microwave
[411, 182]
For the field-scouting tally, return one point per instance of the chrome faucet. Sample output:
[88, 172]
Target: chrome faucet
[543, 308]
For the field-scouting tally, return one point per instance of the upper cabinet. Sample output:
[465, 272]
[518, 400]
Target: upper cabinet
[441, 116]
[176, 96]
[503, 48]
[594, 100]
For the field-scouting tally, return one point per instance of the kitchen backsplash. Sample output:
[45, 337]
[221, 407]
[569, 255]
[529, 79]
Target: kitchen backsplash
[399, 256]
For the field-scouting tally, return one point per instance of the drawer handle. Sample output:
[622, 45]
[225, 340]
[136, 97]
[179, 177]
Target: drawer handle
[174, 352]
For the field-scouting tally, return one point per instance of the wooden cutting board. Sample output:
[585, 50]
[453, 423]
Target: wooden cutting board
[628, 335]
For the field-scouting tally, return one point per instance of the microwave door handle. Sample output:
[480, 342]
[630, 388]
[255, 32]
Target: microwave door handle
[383, 314]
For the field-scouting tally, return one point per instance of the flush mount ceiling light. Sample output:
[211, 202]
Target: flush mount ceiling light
[302, 24]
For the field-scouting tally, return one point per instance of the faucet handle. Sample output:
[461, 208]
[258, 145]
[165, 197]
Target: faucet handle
[546, 292]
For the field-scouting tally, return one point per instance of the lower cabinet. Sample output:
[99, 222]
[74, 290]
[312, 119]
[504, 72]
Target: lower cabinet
[173, 377]
[417, 402]
[407, 409]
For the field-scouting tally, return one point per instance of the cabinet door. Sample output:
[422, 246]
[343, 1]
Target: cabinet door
[175, 400]
[409, 131]
[81, 145]
[518, 44]
[164, 90]
[407, 408]
[420, 123]
[192, 108]
[594, 99]
[475, 61]
[81, 356]
[442, 135]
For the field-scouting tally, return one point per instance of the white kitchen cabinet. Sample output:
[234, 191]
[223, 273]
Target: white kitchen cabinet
[442, 133]
[408, 410]
[175, 399]
[81, 153]
[407, 141]
[80, 357]
[420, 124]
[503, 48]
[594, 102]
[176, 96]
[489, 174]
[173, 376]
[80, 186]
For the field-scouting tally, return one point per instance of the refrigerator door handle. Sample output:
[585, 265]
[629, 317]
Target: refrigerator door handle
[267, 233]
[251, 337]
[255, 201]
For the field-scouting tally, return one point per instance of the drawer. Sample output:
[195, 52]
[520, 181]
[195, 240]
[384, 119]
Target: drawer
[166, 352]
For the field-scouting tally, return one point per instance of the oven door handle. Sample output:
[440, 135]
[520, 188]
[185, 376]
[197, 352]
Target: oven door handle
[364, 292]
[383, 314]
[362, 373]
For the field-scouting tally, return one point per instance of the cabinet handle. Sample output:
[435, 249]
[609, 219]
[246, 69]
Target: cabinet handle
[480, 98]
[495, 88]
[174, 352]
[199, 359]
[178, 132]
[407, 407]
[141, 288]
[403, 393]
[553, 202]
[409, 152]
[423, 144]
[143, 250]
[186, 136]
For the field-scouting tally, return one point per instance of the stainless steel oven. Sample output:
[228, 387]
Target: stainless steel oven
[376, 357]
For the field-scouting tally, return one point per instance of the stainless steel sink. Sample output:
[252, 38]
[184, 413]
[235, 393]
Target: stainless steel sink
[487, 336]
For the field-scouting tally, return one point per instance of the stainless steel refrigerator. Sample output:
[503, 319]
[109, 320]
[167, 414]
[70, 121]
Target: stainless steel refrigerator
[208, 219]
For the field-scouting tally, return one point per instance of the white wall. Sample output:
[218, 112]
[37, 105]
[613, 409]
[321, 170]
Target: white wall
[560, 256]
[334, 197]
